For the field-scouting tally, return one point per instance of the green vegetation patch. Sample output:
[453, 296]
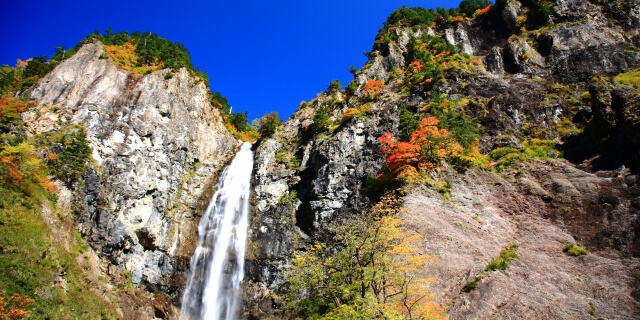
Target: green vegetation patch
[501, 262]
[418, 18]
[67, 152]
[289, 199]
[236, 123]
[463, 128]
[150, 51]
[321, 120]
[269, 123]
[631, 78]
[25, 74]
[283, 156]
[138, 52]
[334, 85]
[408, 123]
[574, 250]
[473, 284]
[532, 149]
[538, 12]
[30, 262]
[364, 272]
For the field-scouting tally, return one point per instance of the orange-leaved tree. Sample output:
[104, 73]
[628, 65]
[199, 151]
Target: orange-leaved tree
[373, 88]
[428, 147]
[14, 308]
[21, 167]
[415, 66]
[481, 12]
[10, 110]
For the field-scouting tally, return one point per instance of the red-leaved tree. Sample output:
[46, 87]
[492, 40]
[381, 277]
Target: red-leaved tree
[428, 147]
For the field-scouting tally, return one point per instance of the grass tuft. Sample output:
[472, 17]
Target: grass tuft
[574, 250]
[501, 262]
[629, 78]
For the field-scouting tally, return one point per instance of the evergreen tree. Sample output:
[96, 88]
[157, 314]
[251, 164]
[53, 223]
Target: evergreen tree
[408, 123]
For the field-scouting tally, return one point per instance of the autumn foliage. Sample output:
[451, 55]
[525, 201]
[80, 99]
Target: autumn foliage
[484, 11]
[373, 87]
[416, 66]
[10, 110]
[126, 57]
[14, 308]
[370, 274]
[19, 165]
[426, 150]
[348, 114]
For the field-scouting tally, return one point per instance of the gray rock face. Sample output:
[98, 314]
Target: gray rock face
[157, 145]
[390, 56]
[587, 48]
[334, 167]
[580, 42]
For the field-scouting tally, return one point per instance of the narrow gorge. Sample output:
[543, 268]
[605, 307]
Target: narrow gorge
[482, 164]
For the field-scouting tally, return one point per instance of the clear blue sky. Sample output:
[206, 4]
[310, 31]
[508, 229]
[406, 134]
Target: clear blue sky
[263, 55]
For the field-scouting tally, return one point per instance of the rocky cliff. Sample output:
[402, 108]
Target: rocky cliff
[554, 83]
[157, 145]
[557, 128]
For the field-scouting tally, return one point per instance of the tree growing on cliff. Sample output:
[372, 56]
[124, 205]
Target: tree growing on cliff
[415, 16]
[269, 123]
[335, 85]
[368, 273]
[321, 120]
[408, 123]
[239, 120]
[538, 14]
[469, 7]
[428, 147]
[37, 68]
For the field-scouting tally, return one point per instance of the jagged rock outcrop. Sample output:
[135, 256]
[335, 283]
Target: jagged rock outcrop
[292, 205]
[548, 83]
[157, 145]
[583, 39]
[611, 137]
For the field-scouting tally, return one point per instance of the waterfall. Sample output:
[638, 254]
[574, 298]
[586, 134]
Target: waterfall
[217, 265]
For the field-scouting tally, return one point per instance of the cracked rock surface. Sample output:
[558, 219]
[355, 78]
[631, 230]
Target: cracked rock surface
[157, 145]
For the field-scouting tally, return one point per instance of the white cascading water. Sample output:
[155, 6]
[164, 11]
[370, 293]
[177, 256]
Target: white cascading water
[217, 266]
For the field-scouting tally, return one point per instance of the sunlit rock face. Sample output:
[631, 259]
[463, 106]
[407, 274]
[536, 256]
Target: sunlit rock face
[157, 144]
[539, 205]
